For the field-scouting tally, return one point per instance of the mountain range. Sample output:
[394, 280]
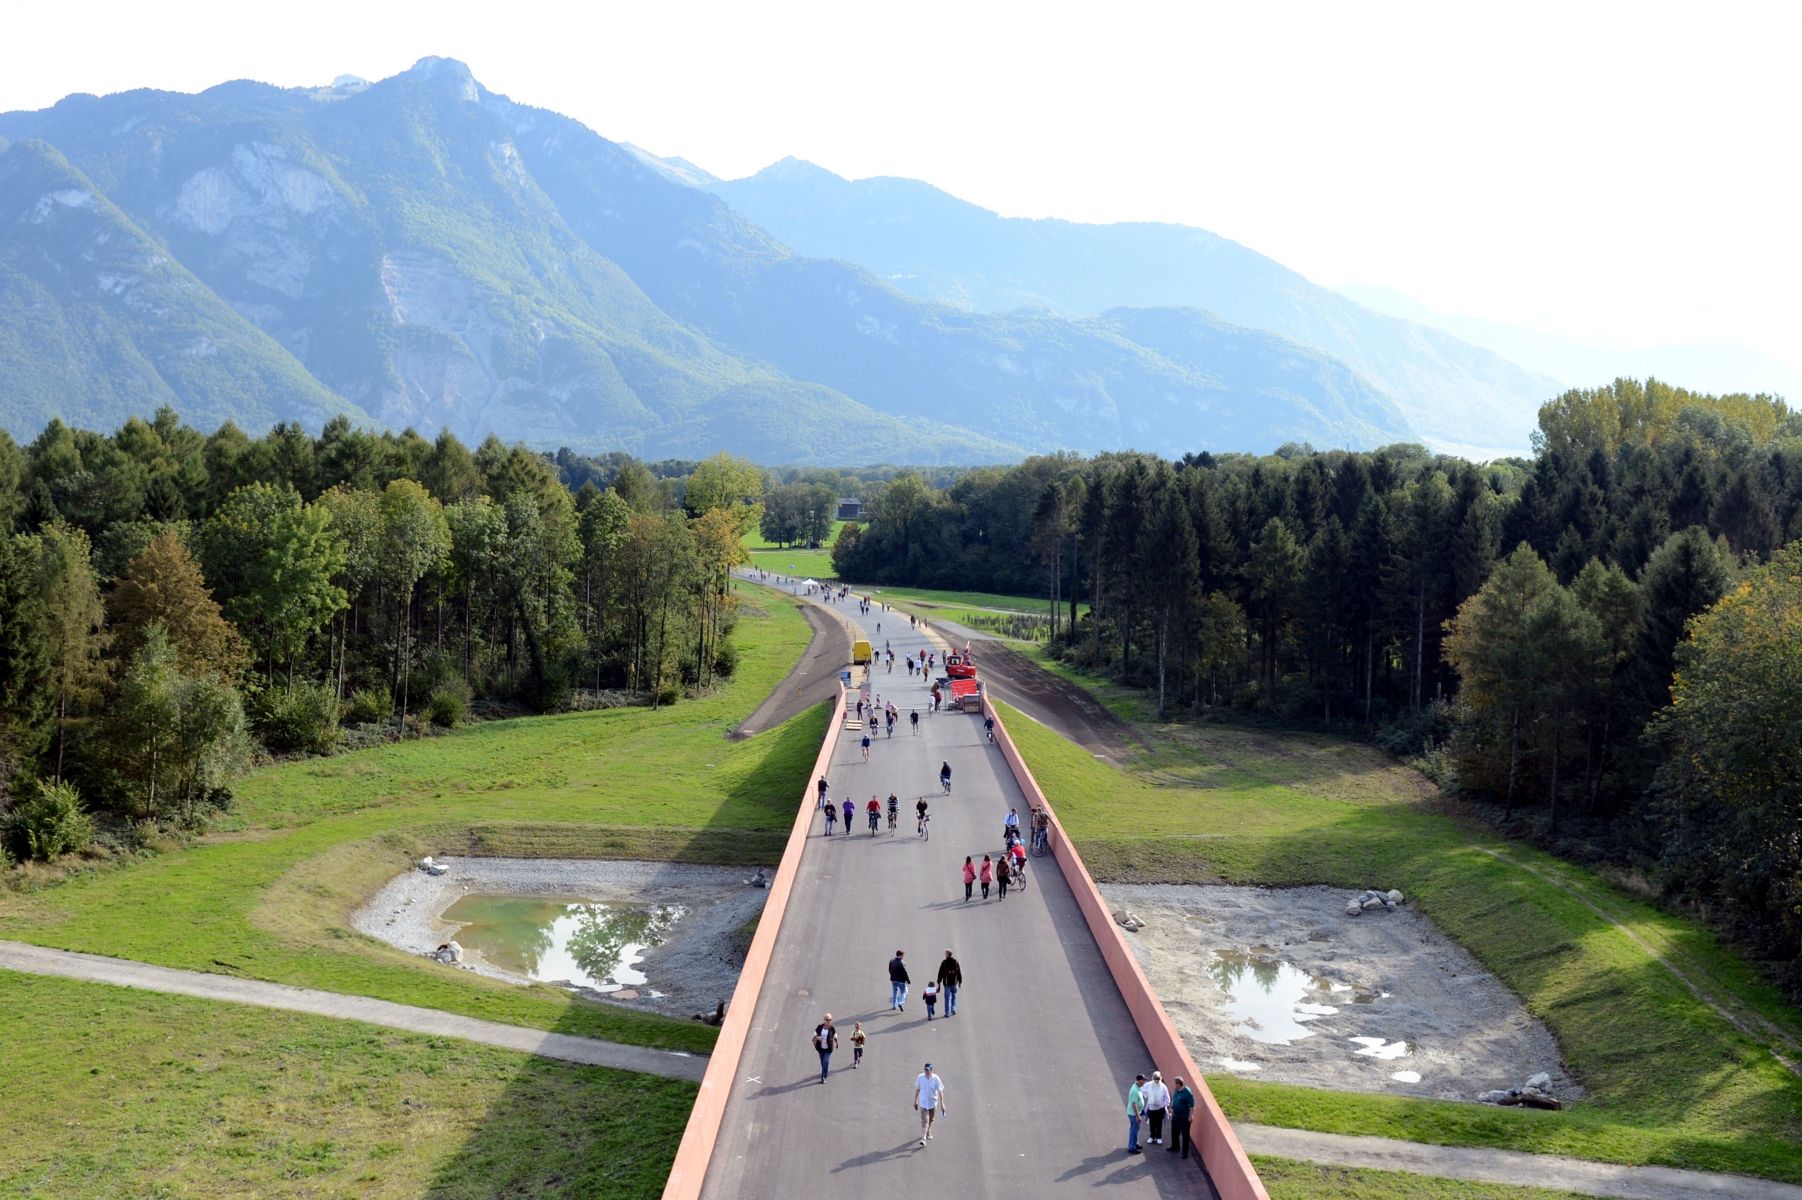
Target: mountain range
[421, 251]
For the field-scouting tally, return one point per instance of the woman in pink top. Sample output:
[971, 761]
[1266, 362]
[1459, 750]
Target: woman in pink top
[969, 876]
[987, 875]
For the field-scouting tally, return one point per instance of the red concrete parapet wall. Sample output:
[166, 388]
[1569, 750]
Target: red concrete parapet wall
[696, 1150]
[1232, 1172]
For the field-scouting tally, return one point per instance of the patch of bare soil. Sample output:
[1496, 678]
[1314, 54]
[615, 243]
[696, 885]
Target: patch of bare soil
[1282, 985]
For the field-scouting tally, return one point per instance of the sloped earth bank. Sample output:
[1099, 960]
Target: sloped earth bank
[703, 917]
[1281, 985]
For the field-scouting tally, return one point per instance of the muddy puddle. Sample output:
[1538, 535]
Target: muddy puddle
[1280, 984]
[665, 936]
[599, 946]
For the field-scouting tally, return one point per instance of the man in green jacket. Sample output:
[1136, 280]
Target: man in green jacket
[1182, 1111]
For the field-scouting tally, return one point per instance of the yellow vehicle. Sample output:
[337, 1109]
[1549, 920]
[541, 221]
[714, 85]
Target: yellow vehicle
[860, 652]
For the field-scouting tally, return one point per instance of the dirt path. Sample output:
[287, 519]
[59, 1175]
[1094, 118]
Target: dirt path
[1508, 1166]
[93, 968]
[814, 679]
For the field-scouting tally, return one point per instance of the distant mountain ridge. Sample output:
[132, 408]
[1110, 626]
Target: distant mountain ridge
[428, 253]
[935, 246]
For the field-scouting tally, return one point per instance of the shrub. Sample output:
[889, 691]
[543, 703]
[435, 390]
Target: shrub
[725, 660]
[371, 706]
[305, 718]
[670, 694]
[449, 705]
[50, 823]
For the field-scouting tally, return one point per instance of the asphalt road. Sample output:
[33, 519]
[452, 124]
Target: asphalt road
[1036, 1063]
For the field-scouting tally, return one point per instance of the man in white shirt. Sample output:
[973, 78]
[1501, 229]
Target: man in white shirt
[1157, 1105]
[929, 1100]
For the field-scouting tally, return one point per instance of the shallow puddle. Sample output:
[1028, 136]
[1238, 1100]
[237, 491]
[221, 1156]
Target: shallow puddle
[591, 945]
[1270, 1000]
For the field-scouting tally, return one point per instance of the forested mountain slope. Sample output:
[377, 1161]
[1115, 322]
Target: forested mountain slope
[96, 320]
[935, 246]
[445, 258]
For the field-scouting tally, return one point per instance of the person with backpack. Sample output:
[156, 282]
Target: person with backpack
[825, 1040]
[951, 977]
[897, 982]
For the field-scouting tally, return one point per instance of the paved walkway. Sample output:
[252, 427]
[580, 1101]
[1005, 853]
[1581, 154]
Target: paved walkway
[39, 960]
[1509, 1166]
[1039, 1057]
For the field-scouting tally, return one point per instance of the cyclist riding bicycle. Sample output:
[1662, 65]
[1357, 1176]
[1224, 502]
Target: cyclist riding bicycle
[945, 777]
[894, 809]
[874, 808]
[988, 728]
[1010, 825]
[920, 815]
[1041, 831]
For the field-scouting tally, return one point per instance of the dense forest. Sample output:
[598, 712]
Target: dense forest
[1518, 626]
[171, 602]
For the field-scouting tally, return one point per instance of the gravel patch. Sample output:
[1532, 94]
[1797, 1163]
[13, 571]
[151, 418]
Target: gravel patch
[694, 969]
[1279, 984]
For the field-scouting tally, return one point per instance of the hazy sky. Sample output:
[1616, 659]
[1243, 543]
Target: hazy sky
[1622, 173]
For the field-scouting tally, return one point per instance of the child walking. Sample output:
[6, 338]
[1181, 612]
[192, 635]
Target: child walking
[857, 1036]
[931, 995]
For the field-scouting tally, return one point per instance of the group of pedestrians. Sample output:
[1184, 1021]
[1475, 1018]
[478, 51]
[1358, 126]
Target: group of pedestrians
[1151, 1102]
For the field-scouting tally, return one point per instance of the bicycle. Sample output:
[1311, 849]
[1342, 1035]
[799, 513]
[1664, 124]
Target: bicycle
[1041, 842]
[945, 783]
[925, 832]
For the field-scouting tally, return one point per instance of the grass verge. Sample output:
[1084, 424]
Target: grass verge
[1289, 1180]
[112, 1092]
[1673, 1081]
[311, 840]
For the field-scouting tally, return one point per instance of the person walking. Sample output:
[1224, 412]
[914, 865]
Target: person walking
[822, 789]
[1182, 1111]
[897, 982]
[951, 977]
[987, 875]
[825, 1040]
[850, 814]
[1004, 875]
[1157, 1106]
[969, 876]
[929, 1101]
[1135, 1111]
[914, 716]
[831, 815]
[857, 1040]
[930, 994]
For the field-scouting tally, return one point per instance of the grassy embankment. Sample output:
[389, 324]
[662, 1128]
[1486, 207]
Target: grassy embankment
[1672, 1081]
[311, 840]
[123, 1093]
[110, 1092]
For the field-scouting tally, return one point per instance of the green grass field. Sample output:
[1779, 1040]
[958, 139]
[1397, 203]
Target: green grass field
[113, 1092]
[309, 841]
[1672, 1082]
[796, 564]
[1288, 1180]
[754, 539]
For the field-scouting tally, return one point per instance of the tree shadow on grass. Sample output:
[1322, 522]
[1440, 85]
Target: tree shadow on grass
[559, 1129]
